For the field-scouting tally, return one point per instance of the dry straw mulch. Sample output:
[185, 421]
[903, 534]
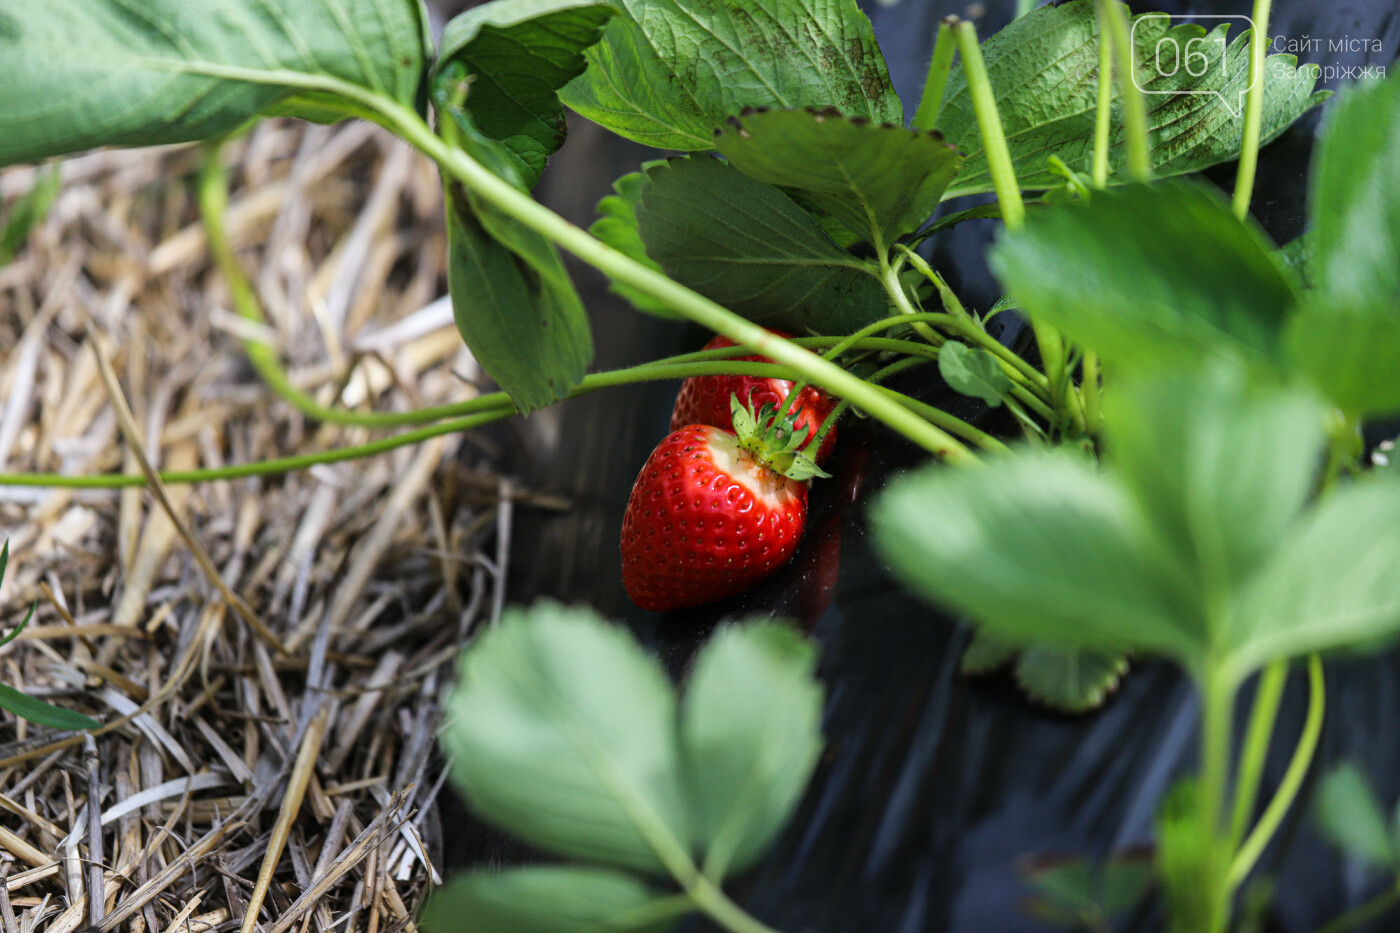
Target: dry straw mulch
[275, 736]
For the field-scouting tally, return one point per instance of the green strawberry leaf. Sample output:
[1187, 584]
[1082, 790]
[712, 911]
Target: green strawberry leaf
[746, 245]
[1073, 893]
[1044, 69]
[1297, 254]
[1355, 197]
[749, 771]
[1190, 544]
[617, 227]
[668, 73]
[1331, 584]
[84, 73]
[517, 54]
[517, 311]
[881, 181]
[548, 899]
[1348, 337]
[1037, 548]
[973, 372]
[44, 714]
[1220, 464]
[23, 705]
[1070, 680]
[569, 701]
[1194, 281]
[1350, 815]
[512, 298]
[27, 212]
[985, 653]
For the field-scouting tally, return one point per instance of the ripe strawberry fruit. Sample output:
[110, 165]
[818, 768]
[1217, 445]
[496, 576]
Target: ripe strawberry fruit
[705, 399]
[712, 513]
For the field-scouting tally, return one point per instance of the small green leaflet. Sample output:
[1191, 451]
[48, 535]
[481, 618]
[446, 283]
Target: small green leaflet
[547, 899]
[747, 246]
[1195, 281]
[881, 181]
[23, 705]
[27, 212]
[749, 771]
[985, 653]
[1347, 339]
[1044, 67]
[517, 311]
[1070, 680]
[517, 54]
[1350, 815]
[668, 73]
[44, 714]
[512, 298]
[1075, 894]
[973, 372]
[617, 227]
[570, 700]
[84, 73]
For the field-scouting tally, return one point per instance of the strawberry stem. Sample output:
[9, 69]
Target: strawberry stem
[950, 423]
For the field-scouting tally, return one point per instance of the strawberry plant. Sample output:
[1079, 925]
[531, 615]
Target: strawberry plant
[1187, 479]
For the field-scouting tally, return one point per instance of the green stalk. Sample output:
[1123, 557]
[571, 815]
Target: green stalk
[1090, 387]
[1267, 696]
[950, 423]
[711, 899]
[688, 303]
[979, 85]
[1103, 113]
[895, 289]
[964, 325]
[1013, 209]
[1287, 792]
[949, 298]
[936, 82]
[213, 205]
[1218, 703]
[495, 407]
[1363, 914]
[1134, 107]
[261, 468]
[1253, 109]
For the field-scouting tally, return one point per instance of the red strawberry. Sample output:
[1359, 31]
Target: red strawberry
[705, 399]
[711, 514]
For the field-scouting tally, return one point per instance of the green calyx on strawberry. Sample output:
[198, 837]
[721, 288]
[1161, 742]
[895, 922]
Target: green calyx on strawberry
[706, 399]
[775, 443]
[712, 513]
